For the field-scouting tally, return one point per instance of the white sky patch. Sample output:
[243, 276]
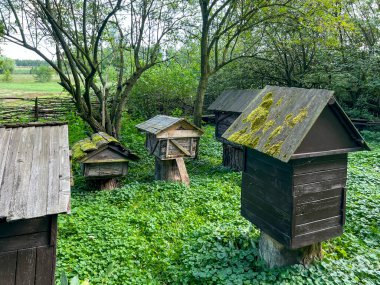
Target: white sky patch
[16, 52]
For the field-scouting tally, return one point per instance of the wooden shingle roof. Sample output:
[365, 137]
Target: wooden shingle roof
[34, 170]
[233, 100]
[160, 123]
[279, 118]
[86, 148]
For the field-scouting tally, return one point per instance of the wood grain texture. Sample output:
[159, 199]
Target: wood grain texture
[26, 266]
[45, 265]
[34, 171]
[233, 100]
[233, 157]
[8, 268]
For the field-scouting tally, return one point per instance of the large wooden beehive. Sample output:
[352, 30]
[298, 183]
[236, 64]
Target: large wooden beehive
[295, 164]
[34, 189]
[227, 108]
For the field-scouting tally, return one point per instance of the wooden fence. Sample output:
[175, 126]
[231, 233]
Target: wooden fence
[23, 109]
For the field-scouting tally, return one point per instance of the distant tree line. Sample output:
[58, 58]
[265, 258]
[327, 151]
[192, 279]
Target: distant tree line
[30, 62]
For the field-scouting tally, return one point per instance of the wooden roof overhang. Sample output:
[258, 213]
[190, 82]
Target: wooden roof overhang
[233, 101]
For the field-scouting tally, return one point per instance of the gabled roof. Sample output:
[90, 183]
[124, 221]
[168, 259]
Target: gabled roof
[88, 147]
[279, 118]
[34, 170]
[233, 100]
[160, 123]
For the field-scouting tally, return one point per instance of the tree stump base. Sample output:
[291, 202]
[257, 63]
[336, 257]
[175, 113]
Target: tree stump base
[233, 157]
[172, 170]
[103, 184]
[276, 254]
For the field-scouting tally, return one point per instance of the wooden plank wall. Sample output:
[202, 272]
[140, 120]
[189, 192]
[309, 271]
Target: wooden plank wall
[103, 170]
[27, 251]
[266, 197]
[233, 157]
[319, 198]
[223, 121]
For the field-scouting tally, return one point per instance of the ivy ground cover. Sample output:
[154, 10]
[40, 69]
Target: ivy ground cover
[151, 232]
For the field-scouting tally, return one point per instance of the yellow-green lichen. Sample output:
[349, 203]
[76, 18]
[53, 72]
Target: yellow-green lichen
[274, 149]
[257, 121]
[97, 138]
[268, 125]
[279, 102]
[87, 145]
[77, 153]
[298, 119]
[275, 132]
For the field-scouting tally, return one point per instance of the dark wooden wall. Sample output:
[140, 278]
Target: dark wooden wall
[223, 120]
[233, 157]
[27, 251]
[319, 198]
[105, 170]
[297, 203]
[266, 196]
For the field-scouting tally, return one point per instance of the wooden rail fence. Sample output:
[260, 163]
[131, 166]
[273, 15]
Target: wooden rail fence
[24, 109]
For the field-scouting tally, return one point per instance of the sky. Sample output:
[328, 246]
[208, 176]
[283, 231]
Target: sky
[16, 52]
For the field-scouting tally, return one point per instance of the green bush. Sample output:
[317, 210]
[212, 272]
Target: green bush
[42, 73]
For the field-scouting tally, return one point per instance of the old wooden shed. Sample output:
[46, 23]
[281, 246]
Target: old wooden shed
[34, 189]
[227, 108]
[295, 166]
[170, 137]
[102, 157]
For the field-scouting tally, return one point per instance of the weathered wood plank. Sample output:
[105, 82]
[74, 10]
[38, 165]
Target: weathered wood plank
[183, 171]
[8, 263]
[315, 188]
[36, 172]
[180, 147]
[233, 157]
[310, 197]
[24, 241]
[18, 206]
[26, 262]
[302, 166]
[325, 213]
[23, 227]
[314, 237]
[320, 176]
[319, 205]
[64, 172]
[10, 173]
[318, 225]
[45, 265]
[173, 134]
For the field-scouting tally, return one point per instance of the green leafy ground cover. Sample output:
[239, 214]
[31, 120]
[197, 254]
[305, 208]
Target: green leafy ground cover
[150, 232]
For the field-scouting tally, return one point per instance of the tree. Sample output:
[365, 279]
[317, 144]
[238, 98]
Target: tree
[90, 36]
[230, 31]
[6, 65]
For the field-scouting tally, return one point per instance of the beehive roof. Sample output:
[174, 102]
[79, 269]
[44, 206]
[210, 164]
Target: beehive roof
[233, 100]
[279, 118]
[34, 170]
[160, 123]
[83, 149]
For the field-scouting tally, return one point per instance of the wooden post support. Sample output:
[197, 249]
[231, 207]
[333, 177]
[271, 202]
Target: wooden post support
[103, 184]
[233, 157]
[277, 255]
[172, 170]
[36, 115]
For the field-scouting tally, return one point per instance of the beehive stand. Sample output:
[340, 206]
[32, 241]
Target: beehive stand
[172, 170]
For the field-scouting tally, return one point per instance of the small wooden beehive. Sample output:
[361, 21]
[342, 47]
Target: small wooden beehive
[169, 137]
[227, 108]
[34, 189]
[295, 166]
[102, 156]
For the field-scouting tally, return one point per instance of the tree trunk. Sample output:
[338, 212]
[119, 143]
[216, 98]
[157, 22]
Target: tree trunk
[103, 184]
[199, 101]
[276, 254]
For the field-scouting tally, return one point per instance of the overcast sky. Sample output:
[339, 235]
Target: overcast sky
[16, 52]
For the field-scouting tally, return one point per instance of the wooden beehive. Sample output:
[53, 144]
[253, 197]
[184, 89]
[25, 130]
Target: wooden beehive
[227, 108]
[34, 189]
[295, 165]
[169, 137]
[102, 157]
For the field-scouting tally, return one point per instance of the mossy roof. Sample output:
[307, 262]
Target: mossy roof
[234, 101]
[279, 118]
[160, 123]
[98, 141]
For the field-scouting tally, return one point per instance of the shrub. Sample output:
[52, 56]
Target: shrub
[42, 73]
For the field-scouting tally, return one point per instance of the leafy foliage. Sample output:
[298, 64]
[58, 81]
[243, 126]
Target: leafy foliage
[42, 73]
[150, 232]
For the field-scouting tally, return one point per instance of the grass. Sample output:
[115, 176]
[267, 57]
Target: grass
[24, 86]
[150, 232]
